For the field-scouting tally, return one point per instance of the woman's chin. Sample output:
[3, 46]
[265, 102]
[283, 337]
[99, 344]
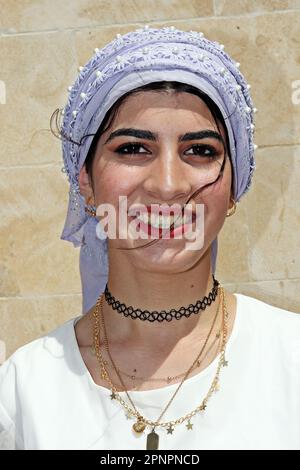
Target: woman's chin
[165, 258]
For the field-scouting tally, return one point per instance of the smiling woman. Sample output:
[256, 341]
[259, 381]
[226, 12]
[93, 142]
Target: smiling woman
[169, 106]
[162, 356]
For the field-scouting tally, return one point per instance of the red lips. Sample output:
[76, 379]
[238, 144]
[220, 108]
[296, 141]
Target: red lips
[160, 210]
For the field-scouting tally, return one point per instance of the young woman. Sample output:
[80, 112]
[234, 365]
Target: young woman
[163, 356]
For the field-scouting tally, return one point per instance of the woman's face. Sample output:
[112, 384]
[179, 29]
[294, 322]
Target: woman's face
[161, 169]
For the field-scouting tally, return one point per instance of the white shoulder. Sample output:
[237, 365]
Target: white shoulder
[28, 366]
[29, 360]
[271, 322]
[255, 305]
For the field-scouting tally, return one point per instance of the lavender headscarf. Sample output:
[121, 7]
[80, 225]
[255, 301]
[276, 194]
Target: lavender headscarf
[130, 61]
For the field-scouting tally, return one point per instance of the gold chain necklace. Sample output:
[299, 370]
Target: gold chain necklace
[184, 374]
[139, 426]
[134, 378]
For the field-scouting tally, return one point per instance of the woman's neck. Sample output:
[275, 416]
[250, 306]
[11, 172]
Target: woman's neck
[154, 291]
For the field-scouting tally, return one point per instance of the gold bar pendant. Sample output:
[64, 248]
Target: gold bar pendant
[152, 441]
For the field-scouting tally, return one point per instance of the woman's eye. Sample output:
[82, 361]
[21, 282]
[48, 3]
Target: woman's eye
[205, 150]
[130, 149]
[136, 148]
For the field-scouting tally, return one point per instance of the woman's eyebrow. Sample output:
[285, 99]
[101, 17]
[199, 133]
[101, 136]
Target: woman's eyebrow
[148, 135]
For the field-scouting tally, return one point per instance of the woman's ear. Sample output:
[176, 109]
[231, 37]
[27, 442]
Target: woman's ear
[85, 185]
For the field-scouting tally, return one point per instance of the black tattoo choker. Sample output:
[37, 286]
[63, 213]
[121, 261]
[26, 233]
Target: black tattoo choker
[163, 315]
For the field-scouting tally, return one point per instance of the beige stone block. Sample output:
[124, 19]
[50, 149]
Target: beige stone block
[34, 261]
[43, 15]
[282, 293]
[37, 70]
[24, 319]
[260, 241]
[274, 215]
[230, 7]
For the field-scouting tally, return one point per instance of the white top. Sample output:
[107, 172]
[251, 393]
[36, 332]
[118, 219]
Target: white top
[48, 399]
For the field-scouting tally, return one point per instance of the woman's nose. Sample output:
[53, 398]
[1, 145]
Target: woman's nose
[167, 178]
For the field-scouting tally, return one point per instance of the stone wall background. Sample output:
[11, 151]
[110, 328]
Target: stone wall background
[42, 43]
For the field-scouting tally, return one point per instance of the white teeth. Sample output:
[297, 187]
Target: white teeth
[178, 220]
[166, 222]
[143, 217]
[187, 219]
[153, 220]
[160, 221]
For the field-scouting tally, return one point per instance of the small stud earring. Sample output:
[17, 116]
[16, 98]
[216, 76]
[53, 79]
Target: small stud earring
[90, 209]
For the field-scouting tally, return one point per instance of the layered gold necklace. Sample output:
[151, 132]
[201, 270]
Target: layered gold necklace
[135, 379]
[141, 422]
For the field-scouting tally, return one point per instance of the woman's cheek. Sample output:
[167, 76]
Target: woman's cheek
[110, 189]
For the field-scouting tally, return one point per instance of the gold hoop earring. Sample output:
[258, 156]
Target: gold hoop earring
[232, 210]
